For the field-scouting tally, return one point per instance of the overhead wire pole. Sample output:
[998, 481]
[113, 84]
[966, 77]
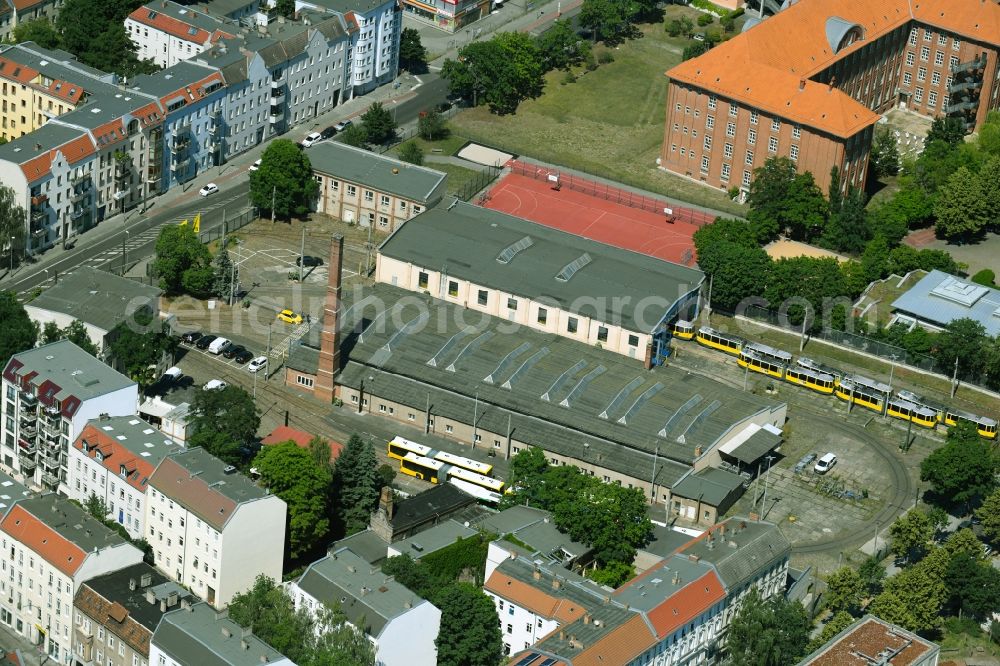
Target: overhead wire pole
[302, 252]
[274, 194]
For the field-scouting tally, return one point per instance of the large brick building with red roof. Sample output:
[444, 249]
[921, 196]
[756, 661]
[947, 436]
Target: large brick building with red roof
[810, 82]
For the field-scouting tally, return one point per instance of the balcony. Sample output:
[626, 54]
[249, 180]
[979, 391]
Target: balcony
[27, 446]
[27, 414]
[965, 86]
[29, 431]
[27, 462]
[277, 97]
[28, 400]
[78, 194]
[50, 463]
[180, 143]
[121, 194]
[76, 214]
[274, 118]
[962, 107]
[39, 199]
[961, 68]
[38, 217]
[50, 480]
[278, 82]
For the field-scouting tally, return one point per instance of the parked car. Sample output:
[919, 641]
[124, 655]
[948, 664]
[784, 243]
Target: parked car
[308, 261]
[342, 125]
[825, 464]
[173, 374]
[204, 341]
[328, 132]
[255, 165]
[257, 364]
[191, 337]
[233, 350]
[289, 317]
[243, 356]
[219, 345]
[214, 385]
[211, 188]
[311, 138]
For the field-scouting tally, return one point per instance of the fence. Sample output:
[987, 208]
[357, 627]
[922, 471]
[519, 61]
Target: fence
[845, 339]
[229, 225]
[611, 193]
[477, 183]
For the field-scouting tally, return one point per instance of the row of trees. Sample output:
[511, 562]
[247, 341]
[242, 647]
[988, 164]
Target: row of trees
[93, 31]
[327, 640]
[606, 517]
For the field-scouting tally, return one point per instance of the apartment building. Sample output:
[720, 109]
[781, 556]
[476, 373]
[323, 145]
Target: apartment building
[40, 84]
[116, 614]
[375, 27]
[676, 613]
[212, 529]
[400, 624]
[810, 82]
[51, 393]
[542, 278]
[15, 12]
[873, 640]
[359, 186]
[448, 15]
[114, 458]
[167, 32]
[199, 634]
[54, 546]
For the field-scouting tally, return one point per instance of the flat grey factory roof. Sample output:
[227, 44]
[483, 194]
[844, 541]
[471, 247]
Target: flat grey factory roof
[709, 485]
[563, 395]
[584, 276]
[106, 105]
[367, 596]
[75, 371]
[381, 173]
[941, 299]
[96, 297]
[195, 635]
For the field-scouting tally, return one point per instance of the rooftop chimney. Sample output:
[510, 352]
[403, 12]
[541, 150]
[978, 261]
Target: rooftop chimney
[131, 584]
[146, 580]
[536, 574]
[385, 502]
[329, 354]
[802, 84]
[150, 596]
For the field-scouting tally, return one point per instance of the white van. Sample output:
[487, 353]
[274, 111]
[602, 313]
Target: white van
[825, 464]
[219, 345]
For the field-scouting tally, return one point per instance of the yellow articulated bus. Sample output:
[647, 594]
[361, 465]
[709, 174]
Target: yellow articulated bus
[400, 446]
[763, 359]
[865, 392]
[683, 330]
[465, 463]
[709, 337]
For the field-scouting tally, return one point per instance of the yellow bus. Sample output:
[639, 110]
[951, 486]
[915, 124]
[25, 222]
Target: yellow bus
[465, 463]
[400, 446]
[420, 467]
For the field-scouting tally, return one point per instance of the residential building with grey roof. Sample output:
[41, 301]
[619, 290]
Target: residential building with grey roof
[212, 528]
[357, 185]
[542, 278]
[199, 634]
[99, 300]
[52, 392]
[402, 625]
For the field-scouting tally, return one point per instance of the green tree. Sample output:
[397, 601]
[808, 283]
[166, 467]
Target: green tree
[319, 450]
[18, 332]
[94, 31]
[138, 344]
[292, 474]
[974, 587]
[561, 47]
[378, 123]
[355, 485]
[224, 274]
[223, 421]
[50, 333]
[284, 181]
[12, 216]
[909, 207]
[844, 590]
[948, 129]
[705, 19]
[470, 629]
[848, 228]
[412, 54]
[180, 259]
[268, 610]
[613, 574]
[502, 71]
[355, 135]
[604, 19]
[989, 134]
[40, 31]
[77, 333]
[96, 507]
[771, 632]
[989, 185]
[962, 339]
[340, 643]
[963, 469]
[841, 620]
[985, 277]
[884, 158]
[285, 7]
[812, 278]
[961, 208]
[415, 576]
[412, 153]
[710, 238]
[742, 273]
[872, 573]
[989, 516]
[526, 478]
[609, 518]
[875, 259]
[782, 199]
[912, 599]
[911, 535]
[431, 125]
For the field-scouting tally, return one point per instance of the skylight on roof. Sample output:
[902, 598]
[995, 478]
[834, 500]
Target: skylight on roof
[121, 438]
[107, 428]
[510, 251]
[7, 483]
[570, 269]
[147, 431]
[960, 292]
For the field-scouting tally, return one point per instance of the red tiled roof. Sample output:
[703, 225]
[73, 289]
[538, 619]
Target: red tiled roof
[285, 433]
[532, 598]
[686, 604]
[175, 27]
[149, 115]
[14, 71]
[115, 455]
[769, 66]
[115, 617]
[37, 167]
[112, 132]
[42, 539]
[77, 149]
[620, 646]
[193, 92]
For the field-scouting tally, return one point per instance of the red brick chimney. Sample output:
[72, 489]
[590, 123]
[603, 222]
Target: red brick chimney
[329, 351]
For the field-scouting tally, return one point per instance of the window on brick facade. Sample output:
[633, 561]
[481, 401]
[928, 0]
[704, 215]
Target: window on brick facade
[752, 137]
[704, 164]
[918, 96]
[708, 143]
[794, 153]
[749, 157]
[927, 35]
[727, 150]
[746, 178]
[925, 53]
[936, 78]
[775, 124]
[922, 74]
[772, 145]
[938, 58]
[932, 98]
[754, 116]
[956, 44]
[734, 109]
[712, 99]
[725, 172]
[913, 37]
[909, 59]
[907, 78]
[709, 122]
[796, 132]
[942, 40]
[953, 62]
[730, 129]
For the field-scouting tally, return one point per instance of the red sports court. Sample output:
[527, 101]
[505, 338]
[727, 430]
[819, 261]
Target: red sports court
[597, 211]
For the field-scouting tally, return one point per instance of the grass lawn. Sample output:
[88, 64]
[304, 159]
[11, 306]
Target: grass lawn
[610, 122]
[964, 640]
[447, 146]
[457, 176]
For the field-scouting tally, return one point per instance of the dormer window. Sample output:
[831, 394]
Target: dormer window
[123, 472]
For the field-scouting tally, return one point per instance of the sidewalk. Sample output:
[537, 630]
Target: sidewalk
[234, 170]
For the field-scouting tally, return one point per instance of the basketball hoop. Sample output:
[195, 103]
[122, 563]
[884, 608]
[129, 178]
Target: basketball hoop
[669, 213]
[556, 182]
